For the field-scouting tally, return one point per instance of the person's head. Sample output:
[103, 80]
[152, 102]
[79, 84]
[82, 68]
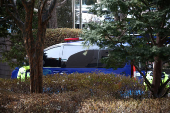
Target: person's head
[22, 70]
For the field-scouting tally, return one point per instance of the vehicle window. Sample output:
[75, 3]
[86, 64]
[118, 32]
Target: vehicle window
[54, 52]
[92, 59]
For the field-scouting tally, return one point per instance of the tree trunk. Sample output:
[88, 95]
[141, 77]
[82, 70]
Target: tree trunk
[53, 20]
[32, 74]
[116, 16]
[36, 64]
[122, 16]
[30, 45]
[37, 57]
[157, 71]
[37, 69]
[34, 45]
[37, 49]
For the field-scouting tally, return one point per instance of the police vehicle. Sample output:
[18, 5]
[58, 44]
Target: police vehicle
[72, 57]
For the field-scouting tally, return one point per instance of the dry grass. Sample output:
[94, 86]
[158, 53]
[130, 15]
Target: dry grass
[126, 106]
[78, 93]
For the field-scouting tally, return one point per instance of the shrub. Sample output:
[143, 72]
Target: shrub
[99, 84]
[79, 92]
[55, 36]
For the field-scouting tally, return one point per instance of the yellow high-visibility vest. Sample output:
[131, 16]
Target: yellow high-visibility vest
[150, 78]
[22, 73]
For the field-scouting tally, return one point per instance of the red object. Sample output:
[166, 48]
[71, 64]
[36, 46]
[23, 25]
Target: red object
[134, 72]
[70, 39]
[134, 69]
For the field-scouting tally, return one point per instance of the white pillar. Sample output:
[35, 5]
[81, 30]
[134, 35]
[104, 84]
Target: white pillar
[80, 21]
[73, 13]
[98, 1]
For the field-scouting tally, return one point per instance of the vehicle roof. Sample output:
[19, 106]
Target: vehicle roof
[77, 43]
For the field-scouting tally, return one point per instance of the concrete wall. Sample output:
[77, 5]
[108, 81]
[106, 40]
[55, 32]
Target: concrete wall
[5, 70]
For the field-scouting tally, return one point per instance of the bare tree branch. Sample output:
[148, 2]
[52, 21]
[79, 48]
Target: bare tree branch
[61, 4]
[111, 39]
[17, 20]
[48, 13]
[164, 38]
[53, 4]
[122, 34]
[27, 4]
[15, 15]
[152, 38]
[163, 86]
[24, 3]
[145, 4]
[46, 20]
[42, 6]
[146, 80]
[166, 92]
[13, 5]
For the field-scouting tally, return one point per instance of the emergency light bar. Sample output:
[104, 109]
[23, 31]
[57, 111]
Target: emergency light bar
[71, 39]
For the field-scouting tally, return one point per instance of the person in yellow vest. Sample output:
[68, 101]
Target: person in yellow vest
[166, 77]
[23, 73]
[149, 76]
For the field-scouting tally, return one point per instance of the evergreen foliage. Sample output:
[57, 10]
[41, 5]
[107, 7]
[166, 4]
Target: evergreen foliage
[149, 19]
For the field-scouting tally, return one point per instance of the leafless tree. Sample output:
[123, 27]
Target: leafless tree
[53, 20]
[34, 44]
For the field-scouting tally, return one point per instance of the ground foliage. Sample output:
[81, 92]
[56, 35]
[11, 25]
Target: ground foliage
[87, 93]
